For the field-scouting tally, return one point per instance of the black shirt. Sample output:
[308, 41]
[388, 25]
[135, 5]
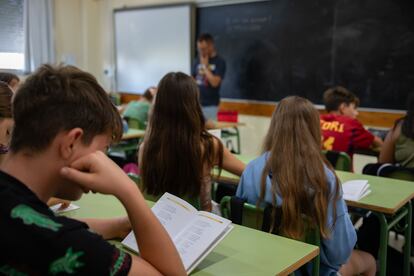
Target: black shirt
[34, 241]
[209, 96]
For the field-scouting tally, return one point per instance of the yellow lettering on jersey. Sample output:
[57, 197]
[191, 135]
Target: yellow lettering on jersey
[332, 126]
[326, 125]
[328, 143]
[341, 128]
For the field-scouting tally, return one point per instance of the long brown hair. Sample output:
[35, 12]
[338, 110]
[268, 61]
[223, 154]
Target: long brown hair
[297, 167]
[6, 95]
[177, 146]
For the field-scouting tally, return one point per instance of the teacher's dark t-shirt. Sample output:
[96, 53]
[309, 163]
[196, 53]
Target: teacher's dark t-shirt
[209, 96]
[34, 241]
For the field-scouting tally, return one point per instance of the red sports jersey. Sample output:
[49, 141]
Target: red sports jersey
[343, 133]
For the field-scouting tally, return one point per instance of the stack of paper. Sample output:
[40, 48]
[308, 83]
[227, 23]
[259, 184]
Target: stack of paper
[355, 189]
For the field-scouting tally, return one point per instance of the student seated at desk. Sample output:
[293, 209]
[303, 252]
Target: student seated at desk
[293, 174]
[6, 127]
[139, 110]
[399, 144]
[340, 129]
[178, 153]
[11, 79]
[63, 122]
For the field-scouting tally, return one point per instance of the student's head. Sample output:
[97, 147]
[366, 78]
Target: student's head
[11, 79]
[6, 121]
[408, 124]
[62, 112]
[340, 100]
[173, 157]
[205, 44]
[150, 93]
[297, 166]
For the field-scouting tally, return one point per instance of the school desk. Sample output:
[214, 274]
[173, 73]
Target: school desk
[128, 144]
[390, 201]
[133, 134]
[227, 177]
[228, 134]
[244, 251]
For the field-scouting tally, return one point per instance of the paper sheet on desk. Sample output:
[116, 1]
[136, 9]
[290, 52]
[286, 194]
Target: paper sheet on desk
[71, 207]
[355, 189]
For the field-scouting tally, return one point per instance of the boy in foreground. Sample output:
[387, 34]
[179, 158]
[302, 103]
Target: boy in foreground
[64, 121]
[341, 129]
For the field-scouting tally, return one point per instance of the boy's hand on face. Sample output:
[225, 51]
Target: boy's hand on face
[204, 60]
[96, 172]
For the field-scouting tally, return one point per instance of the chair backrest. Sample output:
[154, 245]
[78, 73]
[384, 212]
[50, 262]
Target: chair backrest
[339, 160]
[243, 213]
[389, 170]
[135, 123]
[137, 179]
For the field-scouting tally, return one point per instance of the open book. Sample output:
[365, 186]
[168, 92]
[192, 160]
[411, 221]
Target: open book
[355, 189]
[194, 233]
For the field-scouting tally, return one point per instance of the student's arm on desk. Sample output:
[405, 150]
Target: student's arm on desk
[387, 150]
[231, 163]
[113, 228]
[377, 143]
[96, 172]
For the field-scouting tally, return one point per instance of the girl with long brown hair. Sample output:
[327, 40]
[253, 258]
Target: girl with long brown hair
[293, 174]
[178, 153]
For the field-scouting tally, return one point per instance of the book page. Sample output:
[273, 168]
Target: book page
[355, 189]
[198, 236]
[172, 212]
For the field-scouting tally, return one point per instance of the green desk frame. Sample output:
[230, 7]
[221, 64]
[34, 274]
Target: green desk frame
[386, 224]
[390, 206]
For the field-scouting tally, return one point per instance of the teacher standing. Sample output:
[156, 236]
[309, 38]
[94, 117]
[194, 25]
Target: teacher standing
[208, 71]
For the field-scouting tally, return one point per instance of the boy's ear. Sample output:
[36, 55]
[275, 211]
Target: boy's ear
[341, 108]
[69, 142]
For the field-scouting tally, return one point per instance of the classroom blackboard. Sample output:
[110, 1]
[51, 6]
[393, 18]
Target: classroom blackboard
[301, 47]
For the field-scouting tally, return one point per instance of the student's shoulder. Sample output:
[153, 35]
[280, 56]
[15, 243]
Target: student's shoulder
[257, 164]
[330, 177]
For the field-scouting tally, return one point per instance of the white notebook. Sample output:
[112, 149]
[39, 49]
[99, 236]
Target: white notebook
[355, 189]
[194, 233]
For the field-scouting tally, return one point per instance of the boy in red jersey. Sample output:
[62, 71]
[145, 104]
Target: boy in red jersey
[340, 129]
